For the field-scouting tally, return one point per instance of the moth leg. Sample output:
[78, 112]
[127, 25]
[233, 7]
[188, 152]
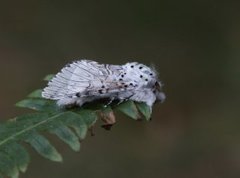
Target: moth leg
[125, 99]
[121, 101]
[110, 102]
[128, 98]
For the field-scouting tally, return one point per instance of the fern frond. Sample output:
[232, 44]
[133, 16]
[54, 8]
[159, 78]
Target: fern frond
[70, 126]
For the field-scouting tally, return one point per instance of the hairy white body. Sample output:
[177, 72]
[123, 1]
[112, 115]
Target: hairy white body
[84, 81]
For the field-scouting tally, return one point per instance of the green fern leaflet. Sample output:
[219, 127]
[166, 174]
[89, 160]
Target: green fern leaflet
[70, 126]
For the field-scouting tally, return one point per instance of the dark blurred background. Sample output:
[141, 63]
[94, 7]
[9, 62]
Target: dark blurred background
[195, 46]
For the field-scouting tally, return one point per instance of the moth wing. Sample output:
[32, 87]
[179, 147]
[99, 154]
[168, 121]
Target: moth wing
[77, 77]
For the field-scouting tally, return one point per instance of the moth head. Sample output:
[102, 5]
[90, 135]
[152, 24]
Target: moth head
[160, 96]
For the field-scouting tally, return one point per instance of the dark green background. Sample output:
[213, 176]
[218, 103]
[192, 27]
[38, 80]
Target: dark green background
[193, 44]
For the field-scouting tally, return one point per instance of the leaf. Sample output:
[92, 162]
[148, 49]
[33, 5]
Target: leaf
[49, 77]
[145, 110]
[75, 121]
[19, 154]
[38, 104]
[67, 136]
[7, 166]
[19, 127]
[88, 116]
[36, 94]
[44, 147]
[130, 109]
[81, 131]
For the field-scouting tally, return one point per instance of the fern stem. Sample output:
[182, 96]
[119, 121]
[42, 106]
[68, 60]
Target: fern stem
[27, 129]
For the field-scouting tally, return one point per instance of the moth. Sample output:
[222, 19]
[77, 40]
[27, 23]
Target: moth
[84, 81]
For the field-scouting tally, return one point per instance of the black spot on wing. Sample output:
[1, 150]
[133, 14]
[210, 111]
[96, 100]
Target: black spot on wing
[78, 95]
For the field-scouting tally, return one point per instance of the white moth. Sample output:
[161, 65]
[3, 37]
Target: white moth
[85, 81]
